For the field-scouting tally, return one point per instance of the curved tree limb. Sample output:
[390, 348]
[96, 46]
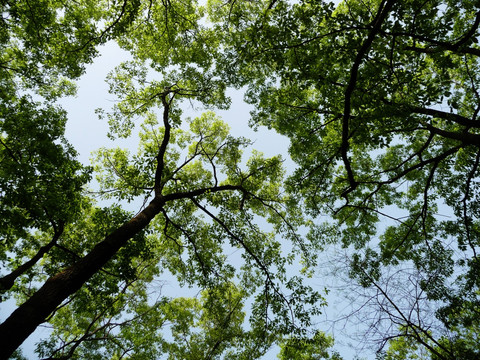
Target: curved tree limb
[382, 13]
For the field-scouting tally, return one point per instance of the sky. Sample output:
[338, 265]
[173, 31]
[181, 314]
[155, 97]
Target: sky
[86, 132]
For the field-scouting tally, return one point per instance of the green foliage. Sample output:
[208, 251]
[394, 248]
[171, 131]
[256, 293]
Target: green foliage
[207, 200]
[380, 102]
[44, 46]
[105, 317]
[40, 183]
[308, 349]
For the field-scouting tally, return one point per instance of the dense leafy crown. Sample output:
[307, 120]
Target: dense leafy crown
[94, 272]
[379, 99]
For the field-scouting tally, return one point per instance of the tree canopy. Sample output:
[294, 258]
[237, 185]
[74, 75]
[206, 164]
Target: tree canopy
[379, 99]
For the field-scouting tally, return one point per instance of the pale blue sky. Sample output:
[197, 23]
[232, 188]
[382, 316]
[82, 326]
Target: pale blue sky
[87, 133]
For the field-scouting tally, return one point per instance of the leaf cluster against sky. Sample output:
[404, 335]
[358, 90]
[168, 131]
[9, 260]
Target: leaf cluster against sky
[379, 100]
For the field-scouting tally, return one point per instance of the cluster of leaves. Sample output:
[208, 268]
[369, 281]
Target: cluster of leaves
[44, 45]
[90, 272]
[380, 100]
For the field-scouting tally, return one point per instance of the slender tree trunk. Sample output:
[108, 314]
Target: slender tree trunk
[26, 318]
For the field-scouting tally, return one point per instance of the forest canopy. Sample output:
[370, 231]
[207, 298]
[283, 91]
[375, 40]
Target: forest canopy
[379, 100]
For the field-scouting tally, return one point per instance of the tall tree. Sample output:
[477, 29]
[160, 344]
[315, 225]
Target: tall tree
[88, 270]
[380, 100]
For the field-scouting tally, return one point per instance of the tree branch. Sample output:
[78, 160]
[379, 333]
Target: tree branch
[458, 119]
[382, 13]
[7, 281]
[465, 138]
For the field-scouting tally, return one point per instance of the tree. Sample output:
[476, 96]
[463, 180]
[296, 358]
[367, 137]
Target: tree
[88, 269]
[380, 101]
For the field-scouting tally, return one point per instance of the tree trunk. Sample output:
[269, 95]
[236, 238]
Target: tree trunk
[25, 319]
